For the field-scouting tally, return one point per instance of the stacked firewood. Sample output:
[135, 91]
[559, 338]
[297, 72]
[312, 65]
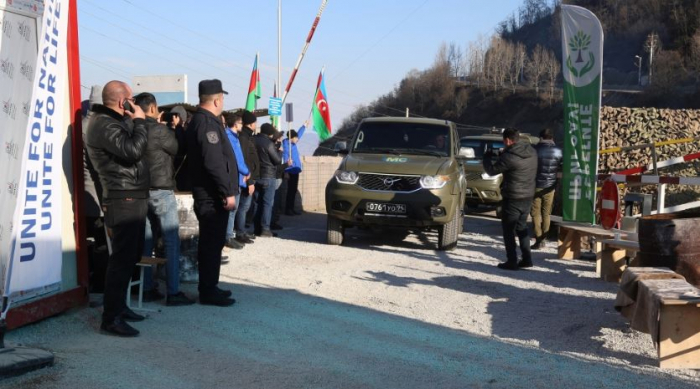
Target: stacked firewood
[635, 126]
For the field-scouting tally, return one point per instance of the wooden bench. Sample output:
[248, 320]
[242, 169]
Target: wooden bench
[661, 303]
[679, 323]
[614, 258]
[570, 235]
[145, 262]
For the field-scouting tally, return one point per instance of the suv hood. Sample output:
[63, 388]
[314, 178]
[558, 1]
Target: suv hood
[395, 164]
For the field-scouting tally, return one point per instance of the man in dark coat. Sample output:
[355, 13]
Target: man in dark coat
[549, 158]
[270, 160]
[118, 154]
[250, 155]
[214, 175]
[518, 164]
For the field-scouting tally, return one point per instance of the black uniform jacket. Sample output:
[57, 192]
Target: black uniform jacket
[213, 168]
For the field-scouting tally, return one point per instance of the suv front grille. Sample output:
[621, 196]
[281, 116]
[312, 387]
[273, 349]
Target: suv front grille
[389, 183]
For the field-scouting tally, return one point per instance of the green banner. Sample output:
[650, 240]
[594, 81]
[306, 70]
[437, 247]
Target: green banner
[582, 48]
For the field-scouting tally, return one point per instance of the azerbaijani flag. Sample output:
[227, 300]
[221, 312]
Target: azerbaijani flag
[321, 111]
[254, 94]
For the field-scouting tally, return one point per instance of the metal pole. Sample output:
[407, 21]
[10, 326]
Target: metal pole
[407, 112]
[279, 47]
[303, 51]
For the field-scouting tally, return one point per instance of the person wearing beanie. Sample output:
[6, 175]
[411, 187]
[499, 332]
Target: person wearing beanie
[293, 168]
[252, 161]
[266, 185]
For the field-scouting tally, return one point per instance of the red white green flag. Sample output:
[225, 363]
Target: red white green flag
[320, 111]
[251, 103]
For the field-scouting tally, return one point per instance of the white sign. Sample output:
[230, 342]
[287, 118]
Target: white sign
[35, 249]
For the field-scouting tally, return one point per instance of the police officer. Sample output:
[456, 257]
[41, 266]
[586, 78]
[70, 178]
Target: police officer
[214, 175]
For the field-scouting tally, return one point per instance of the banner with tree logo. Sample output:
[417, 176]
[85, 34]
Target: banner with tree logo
[582, 54]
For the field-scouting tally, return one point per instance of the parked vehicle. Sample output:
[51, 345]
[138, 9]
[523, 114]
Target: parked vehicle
[399, 172]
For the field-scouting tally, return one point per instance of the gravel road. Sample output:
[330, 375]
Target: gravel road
[377, 312]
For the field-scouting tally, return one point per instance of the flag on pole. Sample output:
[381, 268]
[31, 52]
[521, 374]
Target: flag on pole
[321, 112]
[275, 120]
[582, 56]
[254, 94]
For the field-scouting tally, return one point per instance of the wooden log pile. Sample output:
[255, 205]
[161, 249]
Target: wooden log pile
[634, 126]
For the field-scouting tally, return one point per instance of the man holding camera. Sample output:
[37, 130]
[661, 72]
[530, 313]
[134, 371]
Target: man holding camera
[518, 164]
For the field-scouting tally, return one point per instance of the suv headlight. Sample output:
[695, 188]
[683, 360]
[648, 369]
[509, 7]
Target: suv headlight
[433, 182]
[485, 176]
[346, 177]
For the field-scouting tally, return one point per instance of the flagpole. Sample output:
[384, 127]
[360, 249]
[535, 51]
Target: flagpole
[303, 51]
[279, 48]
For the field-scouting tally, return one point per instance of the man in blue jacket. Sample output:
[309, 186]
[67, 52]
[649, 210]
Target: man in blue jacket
[234, 125]
[293, 169]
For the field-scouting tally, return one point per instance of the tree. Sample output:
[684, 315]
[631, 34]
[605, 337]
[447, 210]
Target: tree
[536, 67]
[552, 70]
[455, 60]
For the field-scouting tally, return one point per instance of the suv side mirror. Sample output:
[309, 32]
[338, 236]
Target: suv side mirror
[466, 153]
[341, 147]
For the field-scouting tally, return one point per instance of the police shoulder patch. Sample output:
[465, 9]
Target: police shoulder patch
[213, 137]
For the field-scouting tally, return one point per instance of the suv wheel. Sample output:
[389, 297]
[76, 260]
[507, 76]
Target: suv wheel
[335, 233]
[448, 234]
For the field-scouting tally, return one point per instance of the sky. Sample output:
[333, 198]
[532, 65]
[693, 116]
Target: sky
[367, 47]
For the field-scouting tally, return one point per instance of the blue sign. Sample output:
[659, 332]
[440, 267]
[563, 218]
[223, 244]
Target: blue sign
[275, 107]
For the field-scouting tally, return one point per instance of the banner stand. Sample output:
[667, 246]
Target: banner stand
[78, 295]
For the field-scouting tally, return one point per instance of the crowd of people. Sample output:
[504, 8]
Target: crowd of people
[137, 157]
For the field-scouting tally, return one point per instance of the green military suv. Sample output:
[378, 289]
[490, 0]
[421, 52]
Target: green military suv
[399, 172]
[483, 188]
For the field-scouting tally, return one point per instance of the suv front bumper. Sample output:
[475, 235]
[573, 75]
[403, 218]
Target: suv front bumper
[424, 207]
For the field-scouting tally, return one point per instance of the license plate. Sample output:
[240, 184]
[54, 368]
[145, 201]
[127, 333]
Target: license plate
[399, 209]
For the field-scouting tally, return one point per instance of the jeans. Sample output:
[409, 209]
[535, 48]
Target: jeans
[230, 232]
[213, 219]
[243, 207]
[126, 219]
[163, 217]
[266, 200]
[292, 186]
[514, 222]
[541, 210]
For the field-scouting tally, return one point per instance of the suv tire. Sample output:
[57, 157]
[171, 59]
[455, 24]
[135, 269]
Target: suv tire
[448, 234]
[335, 233]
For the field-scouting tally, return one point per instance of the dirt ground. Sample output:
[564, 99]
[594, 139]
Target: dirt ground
[377, 312]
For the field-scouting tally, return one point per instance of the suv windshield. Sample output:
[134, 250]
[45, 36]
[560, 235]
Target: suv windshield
[480, 146]
[403, 138]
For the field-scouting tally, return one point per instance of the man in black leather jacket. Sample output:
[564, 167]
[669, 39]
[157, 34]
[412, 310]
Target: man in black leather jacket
[162, 206]
[265, 187]
[518, 164]
[549, 159]
[117, 153]
[214, 174]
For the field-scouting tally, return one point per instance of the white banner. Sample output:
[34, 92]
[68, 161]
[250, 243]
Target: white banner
[35, 255]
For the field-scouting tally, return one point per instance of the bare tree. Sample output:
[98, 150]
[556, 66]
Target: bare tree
[497, 62]
[455, 60]
[552, 70]
[536, 67]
